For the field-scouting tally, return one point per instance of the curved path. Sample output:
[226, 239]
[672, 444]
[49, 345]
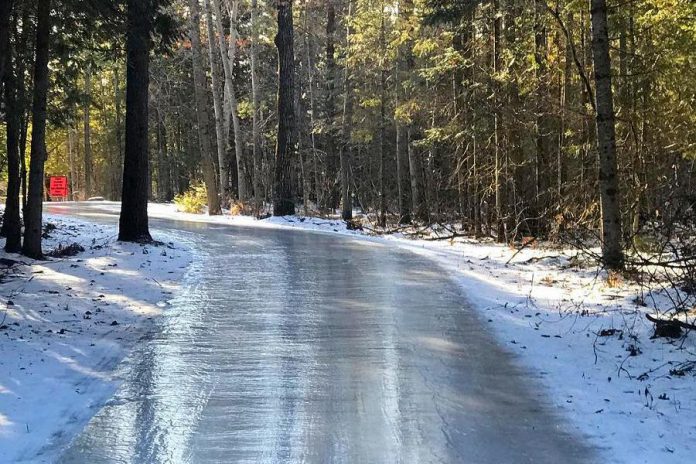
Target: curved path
[289, 347]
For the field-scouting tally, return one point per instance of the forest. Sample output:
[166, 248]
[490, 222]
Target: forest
[505, 118]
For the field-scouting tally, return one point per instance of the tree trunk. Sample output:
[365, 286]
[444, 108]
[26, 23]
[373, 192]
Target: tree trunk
[498, 183]
[283, 204]
[331, 197]
[346, 131]
[612, 253]
[543, 123]
[71, 160]
[133, 221]
[312, 122]
[11, 225]
[413, 175]
[199, 85]
[118, 162]
[257, 152]
[161, 154]
[217, 105]
[5, 13]
[21, 69]
[240, 158]
[403, 140]
[109, 149]
[402, 184]
[228, 55]
[382, 220]
[86, 104]
[34, 209]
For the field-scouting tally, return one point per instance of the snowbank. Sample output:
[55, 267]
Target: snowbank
[66, 323]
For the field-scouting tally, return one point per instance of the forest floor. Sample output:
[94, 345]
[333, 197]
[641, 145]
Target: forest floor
[65, 324]
[583, 333]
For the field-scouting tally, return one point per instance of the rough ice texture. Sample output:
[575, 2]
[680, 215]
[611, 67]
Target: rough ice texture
[616, 389]
[545, 310]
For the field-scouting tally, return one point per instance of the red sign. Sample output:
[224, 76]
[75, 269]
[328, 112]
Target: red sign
[58, 186]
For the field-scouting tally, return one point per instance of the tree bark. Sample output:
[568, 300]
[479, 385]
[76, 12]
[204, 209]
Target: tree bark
[403, 136]
[118, 162]
[403, 188]
[86, 104]
[133, 221]
[543, 123]
[312, 122]
[612, 253]
[240, 158]
[498, 183]
[345, 152]
[382, 205]
[71, 160]
[220, 136]
[283, 203]
[161, 140]
[228, 55]
[257, 153]
[34, 209]
[331, 197]
[11, 225]
[202, 112]
[6, 7]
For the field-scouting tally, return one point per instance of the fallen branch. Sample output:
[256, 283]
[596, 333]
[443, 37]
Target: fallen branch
[519, 250]
[682, 324]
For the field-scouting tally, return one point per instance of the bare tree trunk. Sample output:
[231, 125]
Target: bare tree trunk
[498, 184]
[566, 92]
[220, 136]
[22, 114]
[118, 162]
[11, 225]
[228, 55]
[401, 148]
[413, 170]
[331, 198]
[347, 130]
[34, 209]
[414, 164]
[106, 187]
[257, 151]
[166, 178]
[240, 157]
[612, 253]
[133, 223]
[543, 129]
[71, 159]
[312, 123]
[283, 204]
[6, 7]
[86, 104]
[382, 220]
[161, 153]
[199, 85]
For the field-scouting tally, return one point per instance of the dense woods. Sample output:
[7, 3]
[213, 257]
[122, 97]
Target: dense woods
[504, 118]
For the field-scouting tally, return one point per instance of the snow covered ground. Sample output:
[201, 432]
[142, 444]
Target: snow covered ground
[588, 340]
[66, 323]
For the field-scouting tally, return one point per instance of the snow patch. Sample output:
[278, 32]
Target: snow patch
[65, 324]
